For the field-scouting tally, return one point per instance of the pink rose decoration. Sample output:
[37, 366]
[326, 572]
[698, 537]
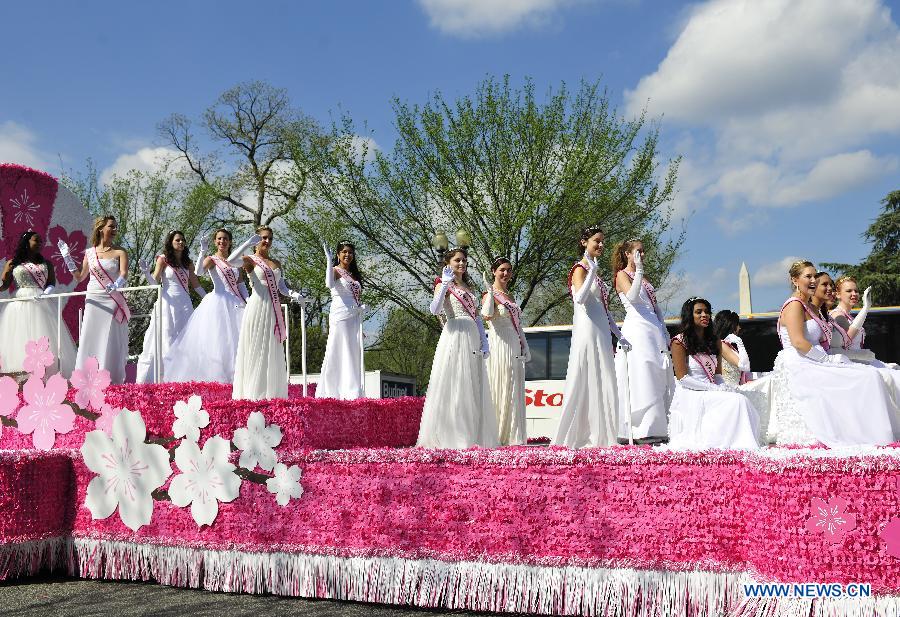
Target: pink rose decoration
[830, 519]
[90, 384]
[105, 421]
[44, 413]
[38, 357]
[9, 397]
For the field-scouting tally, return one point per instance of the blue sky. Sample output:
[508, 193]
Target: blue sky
[786, 112]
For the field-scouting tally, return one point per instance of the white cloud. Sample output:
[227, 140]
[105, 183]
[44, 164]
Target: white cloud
[19, 145]
[775, 273]
[474, 18]
[144, 159]
[784, 101]
[713, 285]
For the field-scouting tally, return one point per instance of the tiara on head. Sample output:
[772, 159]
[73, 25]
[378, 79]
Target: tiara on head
[498, 260]
[340, 242]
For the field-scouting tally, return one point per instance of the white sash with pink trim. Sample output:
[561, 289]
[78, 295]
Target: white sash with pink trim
[229, 276]
[272, 286]
[651, 292]
[352, 283]
[845, 334]
[515, 314]
[706, 361]
[38, 274]
[604, 290]
[826, 327]
[180, 273]
[465, 297]
[122, 313]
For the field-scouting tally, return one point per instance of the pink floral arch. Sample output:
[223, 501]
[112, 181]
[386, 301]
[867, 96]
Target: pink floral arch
[35, 200]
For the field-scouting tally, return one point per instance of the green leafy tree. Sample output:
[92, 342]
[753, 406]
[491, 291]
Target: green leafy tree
[881, 269]
[522, 176]
[404, 347]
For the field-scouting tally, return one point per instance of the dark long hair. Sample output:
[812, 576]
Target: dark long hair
[725, 323]
[708, 342]
[824, 310]
[169, 251]
[586, 234]
[354, 266]
[23, 253]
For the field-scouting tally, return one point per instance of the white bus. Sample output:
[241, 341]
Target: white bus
[545, 375]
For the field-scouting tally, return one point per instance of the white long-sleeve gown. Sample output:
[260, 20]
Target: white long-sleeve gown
[341, 375]
[590, 400]
[506, 375]
[458, 410]
[21, 322]
[177, 309]
[260, 371]
[647, 368]
[206, 348]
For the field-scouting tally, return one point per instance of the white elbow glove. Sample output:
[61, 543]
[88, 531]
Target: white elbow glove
[200, 291]
[437, 303]
[239, 251]
[743, 358]
[67, 256]
[199, 270]
[636, 283]
[487, 307]
[817, 354]
[860, 318]
[584, 291]
[119, 283]
[701, 385]
[48, 290]
[295, 296]
[485, 348]
[329, 268]
[145, 270]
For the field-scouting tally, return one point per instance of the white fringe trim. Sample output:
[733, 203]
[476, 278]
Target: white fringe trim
[28, 558]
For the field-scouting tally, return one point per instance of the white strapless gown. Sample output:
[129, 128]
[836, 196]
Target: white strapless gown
[103, 337]
[841, 404]
[506, 374]
[21, 322]
[458, 411]
[206, 348]
[176, 311]
[260, 370]
[699, 420]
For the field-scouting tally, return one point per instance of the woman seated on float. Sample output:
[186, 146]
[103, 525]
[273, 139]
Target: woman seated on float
[706, 412]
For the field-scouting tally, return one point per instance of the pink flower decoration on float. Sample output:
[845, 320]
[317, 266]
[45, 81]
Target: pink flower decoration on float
[38, 357]
[9, 397]
[107, 416]
[830, 518]
[90, 383]
[44, 414]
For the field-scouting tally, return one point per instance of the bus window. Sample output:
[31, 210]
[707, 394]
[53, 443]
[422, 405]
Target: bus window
[537, 368]
[559, 355]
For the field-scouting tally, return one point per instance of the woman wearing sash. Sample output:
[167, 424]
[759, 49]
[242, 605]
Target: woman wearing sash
[727, 326]
[260, 371]
[590, 400]
[840, 403]
[509, 353]
[206, 348]
[849, 334]
[342, 369]
[647, 367]
[104, 327]
[174, 271]
[458, 410]
[706, 412]
[21, 322]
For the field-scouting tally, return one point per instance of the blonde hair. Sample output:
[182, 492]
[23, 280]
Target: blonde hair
[844, 279]
[99, 224]
[797, 267]
[620, 255]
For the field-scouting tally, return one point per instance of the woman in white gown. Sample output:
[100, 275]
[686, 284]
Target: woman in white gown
[509, 353]
[706, 412]
[647, 367]
[849, 333]
[175, 272]
[21, 322]
[590, 400]
[260, 371]
[104, 327]
[342, 368]
[840, 403]
[727, 327]
[458, 410]
[205, 349]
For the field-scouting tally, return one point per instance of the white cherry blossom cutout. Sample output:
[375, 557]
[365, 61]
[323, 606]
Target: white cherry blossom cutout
[190, 418]
[285, 484]
[206, 479]
[257, 442]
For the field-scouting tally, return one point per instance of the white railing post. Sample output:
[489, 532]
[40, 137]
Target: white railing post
[157, 335]
[303, 345]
